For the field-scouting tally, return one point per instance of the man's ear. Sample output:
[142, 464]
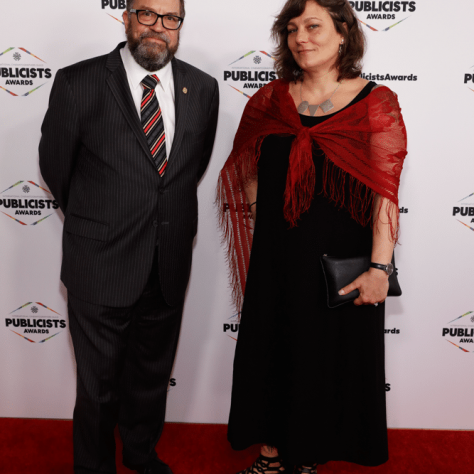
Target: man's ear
[126, 19]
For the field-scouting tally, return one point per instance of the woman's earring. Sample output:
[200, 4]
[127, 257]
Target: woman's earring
[340, 46]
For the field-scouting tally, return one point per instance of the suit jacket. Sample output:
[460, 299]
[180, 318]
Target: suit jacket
[118, 210]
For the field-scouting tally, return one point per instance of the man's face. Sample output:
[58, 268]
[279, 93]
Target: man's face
[152, 46]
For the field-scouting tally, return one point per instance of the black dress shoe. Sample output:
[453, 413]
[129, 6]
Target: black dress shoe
[155, 467]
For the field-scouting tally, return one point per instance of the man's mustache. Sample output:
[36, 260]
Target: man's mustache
[151, 34]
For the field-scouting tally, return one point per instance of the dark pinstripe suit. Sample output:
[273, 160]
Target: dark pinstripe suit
[119, 215]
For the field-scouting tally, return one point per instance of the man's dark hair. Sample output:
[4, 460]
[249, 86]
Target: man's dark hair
[349, 61]
[181, 7]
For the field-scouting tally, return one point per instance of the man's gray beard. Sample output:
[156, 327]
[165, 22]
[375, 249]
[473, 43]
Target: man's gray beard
[146, 56]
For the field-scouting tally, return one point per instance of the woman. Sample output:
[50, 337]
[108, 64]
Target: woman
[308, 380]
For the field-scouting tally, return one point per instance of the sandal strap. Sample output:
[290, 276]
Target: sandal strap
[269, 460]
[262, 466]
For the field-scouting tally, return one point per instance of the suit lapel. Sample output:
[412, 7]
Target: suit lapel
[181, 108]
[120, 88]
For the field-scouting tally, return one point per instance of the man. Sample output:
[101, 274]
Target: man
[125, 141]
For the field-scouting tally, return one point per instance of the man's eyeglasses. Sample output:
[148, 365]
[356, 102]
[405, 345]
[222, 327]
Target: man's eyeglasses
[148, 18]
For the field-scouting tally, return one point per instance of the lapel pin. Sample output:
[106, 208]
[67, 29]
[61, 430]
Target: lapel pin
[185, 90]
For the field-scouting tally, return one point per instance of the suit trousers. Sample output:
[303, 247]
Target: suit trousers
[124, 360]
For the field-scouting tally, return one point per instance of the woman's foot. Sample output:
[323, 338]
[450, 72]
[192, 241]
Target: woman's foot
[265, 465]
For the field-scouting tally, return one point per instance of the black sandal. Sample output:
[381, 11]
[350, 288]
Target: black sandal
[305, 470]
[262, 466]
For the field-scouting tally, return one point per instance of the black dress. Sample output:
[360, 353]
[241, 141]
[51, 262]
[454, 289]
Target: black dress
[307, 379]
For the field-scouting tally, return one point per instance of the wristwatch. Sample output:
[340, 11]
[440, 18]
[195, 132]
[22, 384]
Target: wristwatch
[388, 269]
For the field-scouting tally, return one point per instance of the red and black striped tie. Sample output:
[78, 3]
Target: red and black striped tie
[152, 122]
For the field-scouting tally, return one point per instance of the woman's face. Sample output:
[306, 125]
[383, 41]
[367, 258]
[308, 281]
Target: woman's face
[313, 39]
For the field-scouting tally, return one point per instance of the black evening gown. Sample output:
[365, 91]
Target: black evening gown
[307, 379]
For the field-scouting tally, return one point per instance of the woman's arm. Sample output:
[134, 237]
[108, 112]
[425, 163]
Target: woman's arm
[251, 195]
[373, 284]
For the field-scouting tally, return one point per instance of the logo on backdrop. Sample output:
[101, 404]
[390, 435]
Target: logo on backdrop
[35, 322]
[392, 331]
[463, 211]
[114, 6]
[171, 384]
[469, 79]
[389, 77]
[27, 203]
[403, 210]
[22, 72]
[231, 327]
[388, 387]
[383, 15]
[460, 332]
[250, 72]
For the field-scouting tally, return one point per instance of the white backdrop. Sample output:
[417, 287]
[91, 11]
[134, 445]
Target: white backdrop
[427, 59]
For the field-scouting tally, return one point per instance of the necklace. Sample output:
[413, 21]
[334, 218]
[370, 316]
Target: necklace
[326, 106]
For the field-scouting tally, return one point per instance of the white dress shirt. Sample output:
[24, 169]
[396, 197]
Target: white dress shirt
[164, 92]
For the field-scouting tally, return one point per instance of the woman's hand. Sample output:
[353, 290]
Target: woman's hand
[372, 286]
[253, 210]
[251, 194]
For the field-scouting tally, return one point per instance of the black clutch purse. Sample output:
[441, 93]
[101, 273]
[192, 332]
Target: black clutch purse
[339, 272]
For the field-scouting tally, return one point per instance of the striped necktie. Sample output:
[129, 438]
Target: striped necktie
[152, 123]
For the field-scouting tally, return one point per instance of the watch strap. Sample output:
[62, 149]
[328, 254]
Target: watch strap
[388, 269]
[379, 266]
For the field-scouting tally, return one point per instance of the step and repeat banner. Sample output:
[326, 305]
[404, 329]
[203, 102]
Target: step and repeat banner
[422, 49]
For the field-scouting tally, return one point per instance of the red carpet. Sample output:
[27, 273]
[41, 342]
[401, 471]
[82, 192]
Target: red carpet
[45, 447]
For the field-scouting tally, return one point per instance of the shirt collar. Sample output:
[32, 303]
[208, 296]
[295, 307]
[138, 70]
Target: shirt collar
[136, 73]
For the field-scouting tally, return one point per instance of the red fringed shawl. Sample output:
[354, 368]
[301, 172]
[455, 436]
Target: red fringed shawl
[365, 143]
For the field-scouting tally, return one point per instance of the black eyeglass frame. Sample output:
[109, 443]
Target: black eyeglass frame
[132, 10]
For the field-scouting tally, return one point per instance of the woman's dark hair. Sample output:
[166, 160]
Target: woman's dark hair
[349, 61]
